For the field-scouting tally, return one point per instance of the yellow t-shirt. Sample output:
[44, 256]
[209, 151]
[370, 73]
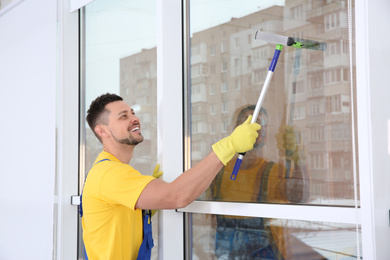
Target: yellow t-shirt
[112, 227]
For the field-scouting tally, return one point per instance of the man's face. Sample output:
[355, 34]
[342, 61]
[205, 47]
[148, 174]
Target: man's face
[124, 125]
[261, 120]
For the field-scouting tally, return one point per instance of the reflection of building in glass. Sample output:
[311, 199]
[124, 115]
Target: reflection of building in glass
[138, 87]
[228, 68]
[323, 94]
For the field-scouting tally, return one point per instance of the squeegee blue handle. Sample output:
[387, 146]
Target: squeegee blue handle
[267, 81]
[237, 166]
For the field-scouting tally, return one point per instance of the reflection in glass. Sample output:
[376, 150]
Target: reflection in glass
[230, 237]
[309, 97]
[260, 180]
[121, 58]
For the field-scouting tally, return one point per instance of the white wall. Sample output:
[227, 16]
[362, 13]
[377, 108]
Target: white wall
[28, 130]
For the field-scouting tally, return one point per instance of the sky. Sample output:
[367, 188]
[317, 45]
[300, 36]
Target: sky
[119, 28]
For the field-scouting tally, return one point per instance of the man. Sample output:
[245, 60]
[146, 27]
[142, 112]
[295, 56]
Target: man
[260, 180]
[115, 193]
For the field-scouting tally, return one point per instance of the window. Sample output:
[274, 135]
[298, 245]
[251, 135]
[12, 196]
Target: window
[212, 50]
[212, 129]
[123, 60]
[316, 102]
[224, 66]
[212, 109]
[212, 89]
[300, 112]
[224, 107]
[236, 63]
[224, 126]
[333, 76]
[237, 84]
[195, 50]
[332, 21]
[212, 69]
[224, 87]
[236, 42]
[333, 103]
[297, 11]
[223, 46]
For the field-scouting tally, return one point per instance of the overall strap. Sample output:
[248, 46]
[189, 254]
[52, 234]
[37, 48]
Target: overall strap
[264, 183]
[145, 250]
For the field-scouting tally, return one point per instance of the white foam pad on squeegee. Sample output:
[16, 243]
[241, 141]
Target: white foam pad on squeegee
[273, 38]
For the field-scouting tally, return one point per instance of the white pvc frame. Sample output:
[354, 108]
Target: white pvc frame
[372, 93]
[169, 114]
[375, 229]
[65, 240]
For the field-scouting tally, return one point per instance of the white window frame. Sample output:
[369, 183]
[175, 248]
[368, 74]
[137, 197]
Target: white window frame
[374, 214]
[362, 216]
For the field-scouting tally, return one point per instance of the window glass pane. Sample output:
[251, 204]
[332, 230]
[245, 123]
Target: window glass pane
[229, 237]
[309, 98]
[121, 58]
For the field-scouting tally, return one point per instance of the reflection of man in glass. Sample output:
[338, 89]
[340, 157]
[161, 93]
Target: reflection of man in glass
[259, 180]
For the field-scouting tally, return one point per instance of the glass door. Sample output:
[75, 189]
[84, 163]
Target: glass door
[120, 56]
[295, 195]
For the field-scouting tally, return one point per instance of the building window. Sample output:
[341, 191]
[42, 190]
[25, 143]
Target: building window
[224, 66]
[225, 125]
[223, 46]
[224, 87]
[212, 89]
[237, 42]
[332, 21]
[333, 103]
[224, 107]
[236, 63]
[212, 129]
[296, 12]
[237, 84]
[212, 69]
[212, 50]
[212, 109]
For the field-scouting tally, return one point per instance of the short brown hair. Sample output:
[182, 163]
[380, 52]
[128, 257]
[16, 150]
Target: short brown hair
[97, 108]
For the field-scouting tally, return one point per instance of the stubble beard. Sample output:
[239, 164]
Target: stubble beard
[130, 140]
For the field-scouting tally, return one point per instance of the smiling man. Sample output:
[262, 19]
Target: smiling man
[115, 193]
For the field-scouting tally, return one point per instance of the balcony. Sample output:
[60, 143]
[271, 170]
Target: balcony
[319, 12]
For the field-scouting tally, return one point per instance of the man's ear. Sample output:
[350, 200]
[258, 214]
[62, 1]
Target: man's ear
[102, 131]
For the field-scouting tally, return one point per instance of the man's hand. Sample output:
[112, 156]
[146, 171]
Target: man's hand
[241, 140]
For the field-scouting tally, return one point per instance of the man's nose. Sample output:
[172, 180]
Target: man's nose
[134, 119]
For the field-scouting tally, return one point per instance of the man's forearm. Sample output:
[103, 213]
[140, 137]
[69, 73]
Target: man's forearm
[192, 183]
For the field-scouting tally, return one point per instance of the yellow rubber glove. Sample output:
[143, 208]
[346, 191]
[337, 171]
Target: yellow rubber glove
[286, 140]
[241, 140]
[156, 172]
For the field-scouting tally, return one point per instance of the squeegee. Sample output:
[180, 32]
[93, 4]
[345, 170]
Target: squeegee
[280, 41]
